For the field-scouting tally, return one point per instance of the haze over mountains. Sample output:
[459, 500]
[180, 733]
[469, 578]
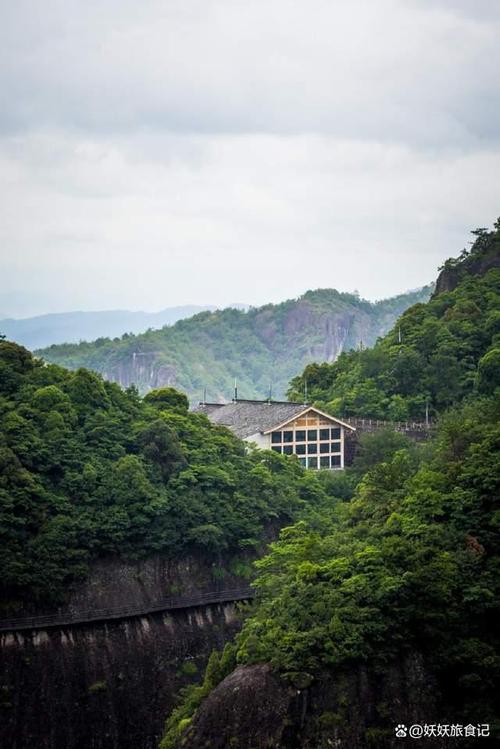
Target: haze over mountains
[72, 327]
[262, 348]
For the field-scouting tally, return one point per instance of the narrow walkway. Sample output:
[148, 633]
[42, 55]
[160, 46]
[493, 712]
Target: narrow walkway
[18, 624]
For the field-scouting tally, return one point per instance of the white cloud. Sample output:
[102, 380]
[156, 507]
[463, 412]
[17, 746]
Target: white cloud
[380, 69]
[157, 153]
[250, 217]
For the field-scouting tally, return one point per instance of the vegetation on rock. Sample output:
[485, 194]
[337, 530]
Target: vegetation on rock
[265, 345]
[220, 664]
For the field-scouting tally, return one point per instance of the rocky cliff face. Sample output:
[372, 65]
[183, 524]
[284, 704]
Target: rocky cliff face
[317, 335]
[115, 582]
[352, 709]
[144, 368]
[110, 685]
[106, 686]
[473, 265]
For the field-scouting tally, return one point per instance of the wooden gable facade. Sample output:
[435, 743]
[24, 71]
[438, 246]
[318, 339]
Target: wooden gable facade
[317, 439]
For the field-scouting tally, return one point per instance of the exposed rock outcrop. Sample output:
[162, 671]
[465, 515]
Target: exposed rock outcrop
[248, 709]
[473, 265]
[356, 708]
[146, 368]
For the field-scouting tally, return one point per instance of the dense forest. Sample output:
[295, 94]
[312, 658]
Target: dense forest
[262, 348]
[406, 558]
[435, 355]
[87, 469]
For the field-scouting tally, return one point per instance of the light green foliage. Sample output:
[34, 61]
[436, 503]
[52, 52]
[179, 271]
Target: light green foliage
[488, 374]
[189, 668]
[87, 469]
[266, 344]
[436, 354]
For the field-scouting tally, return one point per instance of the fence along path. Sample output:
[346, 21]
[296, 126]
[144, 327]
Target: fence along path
[372, 425]
[17, 624]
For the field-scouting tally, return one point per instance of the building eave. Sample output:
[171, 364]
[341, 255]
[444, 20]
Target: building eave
[307, 409]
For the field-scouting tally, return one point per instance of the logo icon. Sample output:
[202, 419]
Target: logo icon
[401, 731]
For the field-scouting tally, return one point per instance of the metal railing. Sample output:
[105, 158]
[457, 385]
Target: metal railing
[399, 426]
[16, 624]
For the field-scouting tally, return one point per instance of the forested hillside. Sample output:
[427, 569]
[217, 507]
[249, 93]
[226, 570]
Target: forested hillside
[435, 355]
[262, 346]
[88, 470]
[403, 572]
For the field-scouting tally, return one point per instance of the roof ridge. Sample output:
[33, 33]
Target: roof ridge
[271, 401]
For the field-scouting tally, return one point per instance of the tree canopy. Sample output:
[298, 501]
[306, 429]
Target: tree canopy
[87, 469]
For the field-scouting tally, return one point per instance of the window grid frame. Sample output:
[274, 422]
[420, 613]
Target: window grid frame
[307, 426]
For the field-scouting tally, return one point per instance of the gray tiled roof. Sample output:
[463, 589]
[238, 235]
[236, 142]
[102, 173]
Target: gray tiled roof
[249, 417]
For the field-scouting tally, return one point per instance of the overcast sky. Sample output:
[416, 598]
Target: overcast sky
[157, 153]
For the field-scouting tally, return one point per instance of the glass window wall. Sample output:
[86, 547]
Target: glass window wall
[309, 443]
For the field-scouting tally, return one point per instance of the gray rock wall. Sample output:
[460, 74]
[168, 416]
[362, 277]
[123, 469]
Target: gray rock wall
[110, 686]
[107, 686]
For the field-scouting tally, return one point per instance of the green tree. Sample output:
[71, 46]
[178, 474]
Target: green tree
[167, 398]
[488, 374]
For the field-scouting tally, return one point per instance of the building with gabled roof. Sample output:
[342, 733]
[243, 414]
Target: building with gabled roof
[316, 438]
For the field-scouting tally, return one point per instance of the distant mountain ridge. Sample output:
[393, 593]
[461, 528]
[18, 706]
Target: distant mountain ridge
[73, 327]
[262, 348]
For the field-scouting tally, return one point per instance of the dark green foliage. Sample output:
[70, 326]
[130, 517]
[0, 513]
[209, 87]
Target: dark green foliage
[488, 373]
[167, 398]
[87, 469]
[377, 448]
[435, 355]
[266, 344]
[410, 564]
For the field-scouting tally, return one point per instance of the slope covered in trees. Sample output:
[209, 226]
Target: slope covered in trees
[265, 345]
[87, 469]
[436, 354]
[408, 565]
